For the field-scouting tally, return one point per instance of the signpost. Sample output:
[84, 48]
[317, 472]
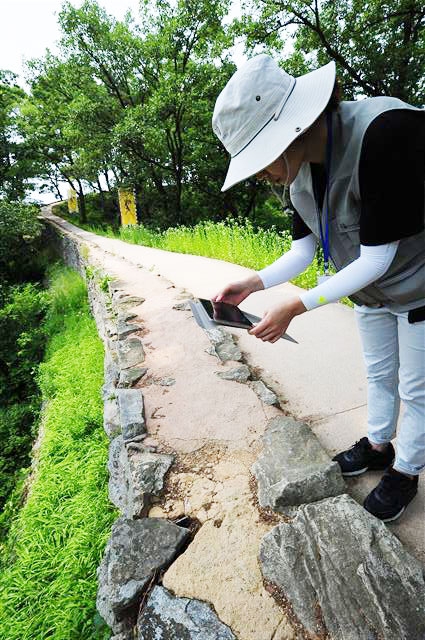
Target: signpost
[127, 202]
[72, 201]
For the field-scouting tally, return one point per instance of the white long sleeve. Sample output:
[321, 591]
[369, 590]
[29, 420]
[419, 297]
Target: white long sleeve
[291, 264]
[371, 265]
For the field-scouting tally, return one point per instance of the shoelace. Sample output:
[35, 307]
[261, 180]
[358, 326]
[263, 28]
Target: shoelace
[358, 448]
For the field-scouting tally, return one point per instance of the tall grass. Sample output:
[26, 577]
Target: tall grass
[48, 575]
[235, 241]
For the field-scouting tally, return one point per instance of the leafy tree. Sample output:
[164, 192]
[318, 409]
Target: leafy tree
[132, 103]
[15, 158]
[20, 243]
[379, 46]
[46, 121]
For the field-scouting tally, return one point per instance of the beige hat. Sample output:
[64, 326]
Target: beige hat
[263, 109]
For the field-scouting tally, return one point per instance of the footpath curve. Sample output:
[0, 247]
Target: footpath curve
[214, 428]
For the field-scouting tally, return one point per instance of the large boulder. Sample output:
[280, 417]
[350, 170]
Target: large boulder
[345, 574]
[293, 467]
[135, 551]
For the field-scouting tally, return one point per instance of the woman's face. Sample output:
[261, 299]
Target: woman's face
[284, 170]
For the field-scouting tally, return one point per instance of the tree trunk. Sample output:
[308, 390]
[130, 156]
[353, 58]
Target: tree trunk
[81, 203]
[101, 196]
[108, 184]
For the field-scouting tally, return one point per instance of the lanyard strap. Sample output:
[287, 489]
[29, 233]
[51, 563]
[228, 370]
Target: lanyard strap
[324, 237]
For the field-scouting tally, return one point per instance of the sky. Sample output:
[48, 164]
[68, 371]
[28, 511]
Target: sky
[29, 27]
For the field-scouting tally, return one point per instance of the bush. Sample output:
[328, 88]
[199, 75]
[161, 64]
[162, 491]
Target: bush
[16, 436]
[22, 341]
[48, 579]
[22, 346]
[21, 255]
[66, 297]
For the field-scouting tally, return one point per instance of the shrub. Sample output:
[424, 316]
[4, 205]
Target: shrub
[21, 258]
[48, 579]
[22, 341]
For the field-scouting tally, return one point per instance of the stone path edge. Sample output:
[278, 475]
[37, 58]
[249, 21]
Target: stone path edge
[275, 491]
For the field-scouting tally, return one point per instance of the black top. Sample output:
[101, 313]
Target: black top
[391, 177]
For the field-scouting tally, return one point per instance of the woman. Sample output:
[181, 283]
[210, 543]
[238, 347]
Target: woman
[356, 172]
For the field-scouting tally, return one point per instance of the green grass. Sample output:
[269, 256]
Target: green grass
[232, 240]
[235, 241]
[48, 579]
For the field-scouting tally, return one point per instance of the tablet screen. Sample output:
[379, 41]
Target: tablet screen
[227, 314]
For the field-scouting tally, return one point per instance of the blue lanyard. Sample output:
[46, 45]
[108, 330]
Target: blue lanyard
[324, 237]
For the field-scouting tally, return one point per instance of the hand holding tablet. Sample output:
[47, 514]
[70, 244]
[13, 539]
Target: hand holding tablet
[223, 313]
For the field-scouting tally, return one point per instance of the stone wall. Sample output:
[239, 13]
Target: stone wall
[337, 572]
[140, 548]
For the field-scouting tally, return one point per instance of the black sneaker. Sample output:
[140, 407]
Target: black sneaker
[361, 457]
[392, 495]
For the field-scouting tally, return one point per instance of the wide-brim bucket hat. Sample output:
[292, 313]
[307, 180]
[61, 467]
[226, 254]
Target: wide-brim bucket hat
[263, 109]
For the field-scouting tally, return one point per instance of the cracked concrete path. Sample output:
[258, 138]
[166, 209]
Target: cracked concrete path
[212, 421]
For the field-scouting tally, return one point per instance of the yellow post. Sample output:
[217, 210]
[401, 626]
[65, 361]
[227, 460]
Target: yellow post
[72, 201]
[127, 202]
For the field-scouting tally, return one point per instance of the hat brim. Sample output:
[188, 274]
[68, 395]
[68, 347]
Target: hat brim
[308, 99]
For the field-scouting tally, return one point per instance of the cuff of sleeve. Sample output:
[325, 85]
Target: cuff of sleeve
[311, 300]
[263, 278]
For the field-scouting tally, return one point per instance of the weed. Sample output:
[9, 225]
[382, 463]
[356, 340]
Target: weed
[48, 579]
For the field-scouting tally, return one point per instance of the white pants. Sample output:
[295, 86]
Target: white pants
[394, 354]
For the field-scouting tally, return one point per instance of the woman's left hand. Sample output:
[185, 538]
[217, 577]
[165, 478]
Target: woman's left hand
[276, 320]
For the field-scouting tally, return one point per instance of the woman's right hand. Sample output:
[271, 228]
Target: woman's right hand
[236, 292]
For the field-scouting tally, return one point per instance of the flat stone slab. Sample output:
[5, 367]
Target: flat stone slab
[123, 298]
[145, 472]
[238, 374]
[265, 394]
[182, 306]
[224, 346]
[116, 482]
[110, 369]
[132, 414]
[228, 351]
[171, 618]
[111, 417]
[135, 476]
[130, 353]
[128, 377]
[126, 316]
[125, 329]
[135, 550]
[294, 468]
[345, 574]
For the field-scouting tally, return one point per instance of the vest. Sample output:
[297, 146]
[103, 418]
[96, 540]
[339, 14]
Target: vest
[402, 287]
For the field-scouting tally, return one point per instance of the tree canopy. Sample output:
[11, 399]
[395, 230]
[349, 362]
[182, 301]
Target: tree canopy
[128, 103]
[15, 157]
[132, 104]
[379, 46]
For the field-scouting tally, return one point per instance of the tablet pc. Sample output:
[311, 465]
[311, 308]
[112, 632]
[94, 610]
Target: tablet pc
[226, 314]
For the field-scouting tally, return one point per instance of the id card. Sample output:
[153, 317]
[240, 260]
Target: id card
[323, 278]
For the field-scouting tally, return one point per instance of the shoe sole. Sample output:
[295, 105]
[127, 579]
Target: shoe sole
[355, 473]
[402, 510]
